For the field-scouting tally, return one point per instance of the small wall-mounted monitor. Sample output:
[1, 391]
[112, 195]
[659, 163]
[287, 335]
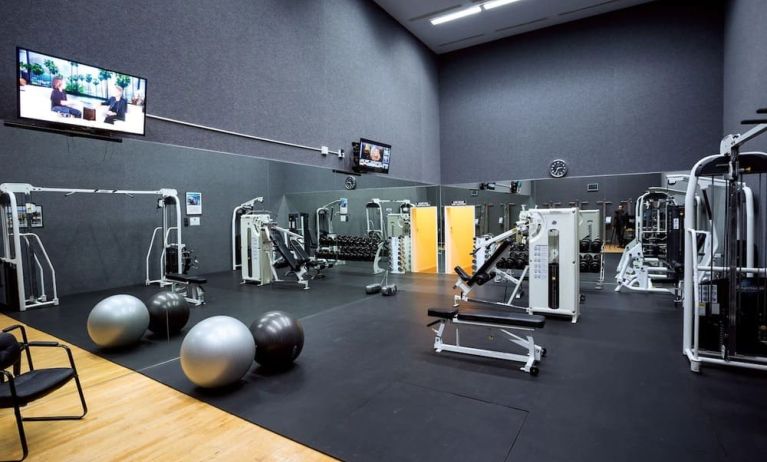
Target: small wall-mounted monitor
[373, 156]
[62, 91]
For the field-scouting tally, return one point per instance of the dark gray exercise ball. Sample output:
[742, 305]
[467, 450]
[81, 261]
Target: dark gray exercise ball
[279, 339]
[217, 351]
[168, 312]
[116, 321]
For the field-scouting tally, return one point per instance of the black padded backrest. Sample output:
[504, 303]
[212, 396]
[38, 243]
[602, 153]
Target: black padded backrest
[283, 250]
[10, 350]
[299, 250]
[490, 263]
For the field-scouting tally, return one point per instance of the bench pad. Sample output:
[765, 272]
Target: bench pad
[185, 278]
[501, 318]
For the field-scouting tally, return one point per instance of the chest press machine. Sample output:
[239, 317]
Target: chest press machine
[554, 287]
[552, 268]
[262, 241]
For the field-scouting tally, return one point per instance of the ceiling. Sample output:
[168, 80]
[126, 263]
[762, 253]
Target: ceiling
[512, 19]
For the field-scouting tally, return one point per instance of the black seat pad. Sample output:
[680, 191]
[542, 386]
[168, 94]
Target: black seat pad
[185, 278]
[35, 384]
[442, 313]
[502, 318]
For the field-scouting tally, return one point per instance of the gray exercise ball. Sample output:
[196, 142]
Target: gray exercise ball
[218, 351]
[279, 339]
[117, 321]
[168, 312]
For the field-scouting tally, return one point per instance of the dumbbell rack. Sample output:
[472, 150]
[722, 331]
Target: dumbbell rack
[341, 247]
[400, 254]
[592, 258]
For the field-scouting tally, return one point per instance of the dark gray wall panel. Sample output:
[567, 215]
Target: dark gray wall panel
[311, 72]
[100, 241]
[745, 64]
[632, 91]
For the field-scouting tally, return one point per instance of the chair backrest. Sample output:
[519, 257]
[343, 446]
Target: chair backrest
[10, 351]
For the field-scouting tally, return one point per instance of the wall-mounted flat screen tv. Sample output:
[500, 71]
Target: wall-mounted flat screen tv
[374, 156]
[67, 92]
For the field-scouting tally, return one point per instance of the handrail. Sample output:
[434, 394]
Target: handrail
[149, 254]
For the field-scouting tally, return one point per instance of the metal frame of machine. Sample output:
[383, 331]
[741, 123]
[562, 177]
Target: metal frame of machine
[12, 239]
[245, 207]
[732, 165]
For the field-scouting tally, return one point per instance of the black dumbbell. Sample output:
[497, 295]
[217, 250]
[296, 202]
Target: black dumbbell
[596, 245]
[585, 245]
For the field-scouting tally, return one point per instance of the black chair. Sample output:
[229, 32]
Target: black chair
[18, 390]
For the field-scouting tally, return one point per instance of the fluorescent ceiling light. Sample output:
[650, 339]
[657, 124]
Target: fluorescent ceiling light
[496, 3]
[457, 15]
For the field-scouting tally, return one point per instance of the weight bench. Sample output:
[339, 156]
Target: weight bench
[189, 286]
[500, 321]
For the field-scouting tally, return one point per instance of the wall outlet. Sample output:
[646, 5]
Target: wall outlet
[194, 221]
[325, 150]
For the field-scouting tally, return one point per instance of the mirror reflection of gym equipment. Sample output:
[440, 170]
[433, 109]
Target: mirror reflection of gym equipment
[550, 254]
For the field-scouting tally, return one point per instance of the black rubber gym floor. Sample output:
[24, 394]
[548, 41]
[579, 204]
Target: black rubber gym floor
[368, 385]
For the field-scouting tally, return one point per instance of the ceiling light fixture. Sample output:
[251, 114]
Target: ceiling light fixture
[496, 3]
[457, 15]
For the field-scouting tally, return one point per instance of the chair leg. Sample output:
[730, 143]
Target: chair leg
[65, 417]
[22, 435]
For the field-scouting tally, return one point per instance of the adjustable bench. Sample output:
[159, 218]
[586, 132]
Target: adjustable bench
[189, 286]
[501, 321]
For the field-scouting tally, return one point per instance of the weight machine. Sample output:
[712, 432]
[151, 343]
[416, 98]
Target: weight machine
[245, 207]
[725, 302]
[24, 266]
[552, 269]
[262, 241]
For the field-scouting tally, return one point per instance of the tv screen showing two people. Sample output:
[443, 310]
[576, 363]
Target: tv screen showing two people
[57, 90]
[374, 156]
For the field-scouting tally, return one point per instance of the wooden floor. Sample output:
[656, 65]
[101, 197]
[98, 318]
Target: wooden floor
[133, 418]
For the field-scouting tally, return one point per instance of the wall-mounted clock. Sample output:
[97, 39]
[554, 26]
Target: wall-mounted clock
[558, 168]
[350, 183]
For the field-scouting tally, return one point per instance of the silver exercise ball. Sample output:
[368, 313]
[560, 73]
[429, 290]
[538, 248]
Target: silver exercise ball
[118, 321]
[217, 351]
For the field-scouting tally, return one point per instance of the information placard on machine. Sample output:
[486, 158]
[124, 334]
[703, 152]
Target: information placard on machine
[540, 262]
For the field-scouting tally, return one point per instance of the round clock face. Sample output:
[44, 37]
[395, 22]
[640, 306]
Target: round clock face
[350, 183]
[558, 168]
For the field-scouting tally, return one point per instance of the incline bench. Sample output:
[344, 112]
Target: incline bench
[189, 286]
[501, 321]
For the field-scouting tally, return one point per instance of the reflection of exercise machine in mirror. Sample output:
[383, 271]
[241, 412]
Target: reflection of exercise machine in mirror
[725, 306]
[551, 266]
[25, 263]
[242, 209]
[266, 247]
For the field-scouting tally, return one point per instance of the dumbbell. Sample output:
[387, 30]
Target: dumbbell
[389, 290]
[583, 265]
[594, 266]
[596, 245]
[585, 245]
[587, 258]
[371, 289]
